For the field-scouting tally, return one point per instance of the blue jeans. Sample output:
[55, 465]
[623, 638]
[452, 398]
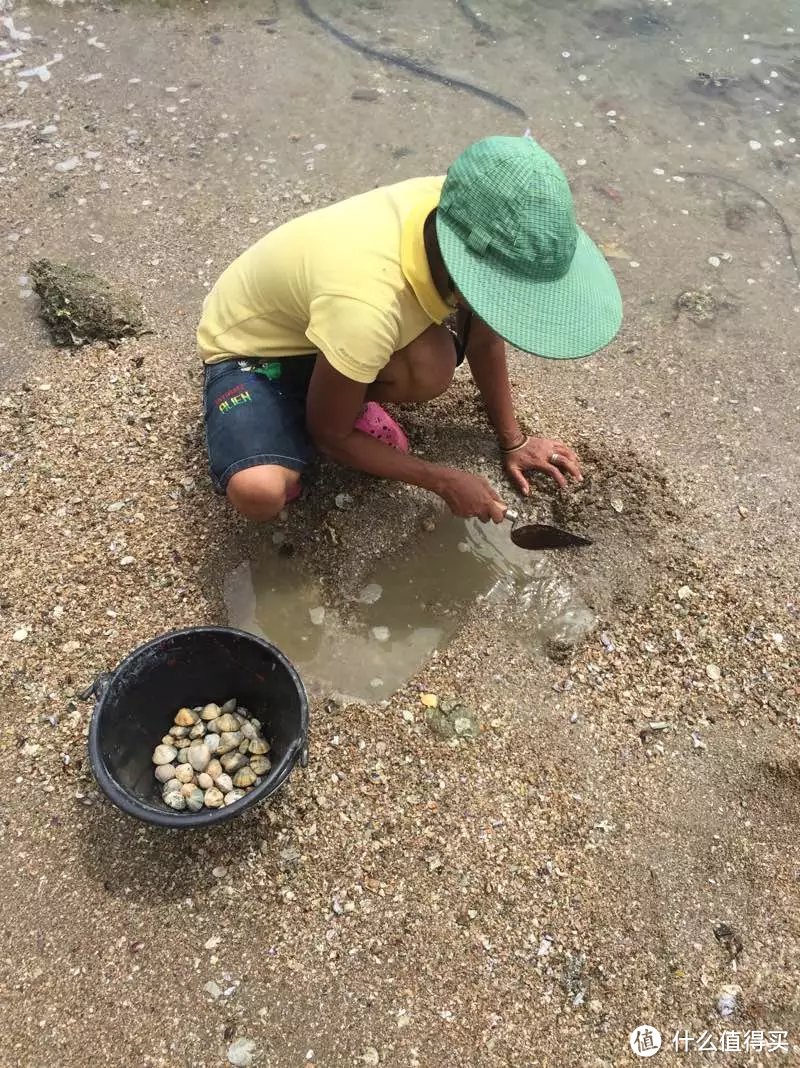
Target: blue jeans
[255, 413]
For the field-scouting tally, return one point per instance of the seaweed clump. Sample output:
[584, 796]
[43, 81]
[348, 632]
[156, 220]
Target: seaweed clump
[79, 307]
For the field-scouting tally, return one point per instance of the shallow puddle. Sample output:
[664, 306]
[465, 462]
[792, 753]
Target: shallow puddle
[368, 644]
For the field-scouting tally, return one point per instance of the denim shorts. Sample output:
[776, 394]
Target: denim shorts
[255, 413]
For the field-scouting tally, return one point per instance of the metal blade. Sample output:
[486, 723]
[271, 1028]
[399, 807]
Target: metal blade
[540, 536]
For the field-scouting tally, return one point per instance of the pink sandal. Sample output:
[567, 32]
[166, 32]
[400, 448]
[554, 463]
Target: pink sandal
[377, 422]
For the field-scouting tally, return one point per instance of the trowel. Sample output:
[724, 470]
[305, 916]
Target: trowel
[538, 536]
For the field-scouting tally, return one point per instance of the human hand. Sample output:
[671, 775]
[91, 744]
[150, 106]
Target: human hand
[469, 496]
[552, 457]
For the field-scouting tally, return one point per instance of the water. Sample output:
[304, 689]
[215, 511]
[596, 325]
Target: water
[370, 643]
[668, 117]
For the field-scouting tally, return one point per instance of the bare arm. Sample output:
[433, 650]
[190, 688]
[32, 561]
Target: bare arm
[486, 355]
[333, 406]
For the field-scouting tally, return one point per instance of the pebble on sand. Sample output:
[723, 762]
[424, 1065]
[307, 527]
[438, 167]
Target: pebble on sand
[241, 1052]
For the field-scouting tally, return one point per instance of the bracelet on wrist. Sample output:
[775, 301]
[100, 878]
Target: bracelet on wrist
[515, 448]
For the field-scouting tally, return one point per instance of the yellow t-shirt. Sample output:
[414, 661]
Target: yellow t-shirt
[351, 280]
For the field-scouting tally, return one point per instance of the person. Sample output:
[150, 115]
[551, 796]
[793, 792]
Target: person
[332, 315]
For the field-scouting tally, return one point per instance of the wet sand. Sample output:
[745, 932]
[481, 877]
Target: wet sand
[527, 897]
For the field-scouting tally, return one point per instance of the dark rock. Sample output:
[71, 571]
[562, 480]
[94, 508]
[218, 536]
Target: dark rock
[365, 94]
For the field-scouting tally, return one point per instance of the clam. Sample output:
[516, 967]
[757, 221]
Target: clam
[185, 718]
[199, 757]
[259, 746]
[204, 780]
[211, 711]
[229, 706]
[184, 773]
[176, 801]
[226, 723]
[213, 798]
[224, 782]
[212, 742]
[164, 754]
[260, 764]
[165, 772]
[214, 768]
[194, 802]
[234, 795]
[198, 730]
[244, 777]
[231, 762]
[228, 741]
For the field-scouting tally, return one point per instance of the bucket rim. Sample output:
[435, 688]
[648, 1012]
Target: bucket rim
[127, 802]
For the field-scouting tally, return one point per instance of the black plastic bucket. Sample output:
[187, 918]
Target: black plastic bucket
[136, 703]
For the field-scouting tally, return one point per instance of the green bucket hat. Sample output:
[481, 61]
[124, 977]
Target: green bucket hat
[508, 236]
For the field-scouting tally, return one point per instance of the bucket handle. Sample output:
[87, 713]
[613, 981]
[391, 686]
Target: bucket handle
[302, 755]
[98, 688]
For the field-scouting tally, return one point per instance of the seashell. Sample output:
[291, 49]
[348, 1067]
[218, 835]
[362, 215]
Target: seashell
[182, 743]
[199, 757]
[171, 787]
[242, 711]
[211, 711]
[194, 802]
[214, 768]
[234, 795]
[165, 772]
[179, 732]
[249, 731]
[197, 731]
[228, 741]
[255, 723]
[177, 801]
[244, 777]
[231, 762]
[260, 764]
[226, 723]
[164, 754]
[186, 718]
[204, 780]
[211, 742]
[213, 798]
[184, 773]
[259, 746]
[229, 706]
[244, 746]
[187, 789]
[224, 783]
[168, 740]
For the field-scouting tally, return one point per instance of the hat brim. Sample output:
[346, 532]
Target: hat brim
[566, 319]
